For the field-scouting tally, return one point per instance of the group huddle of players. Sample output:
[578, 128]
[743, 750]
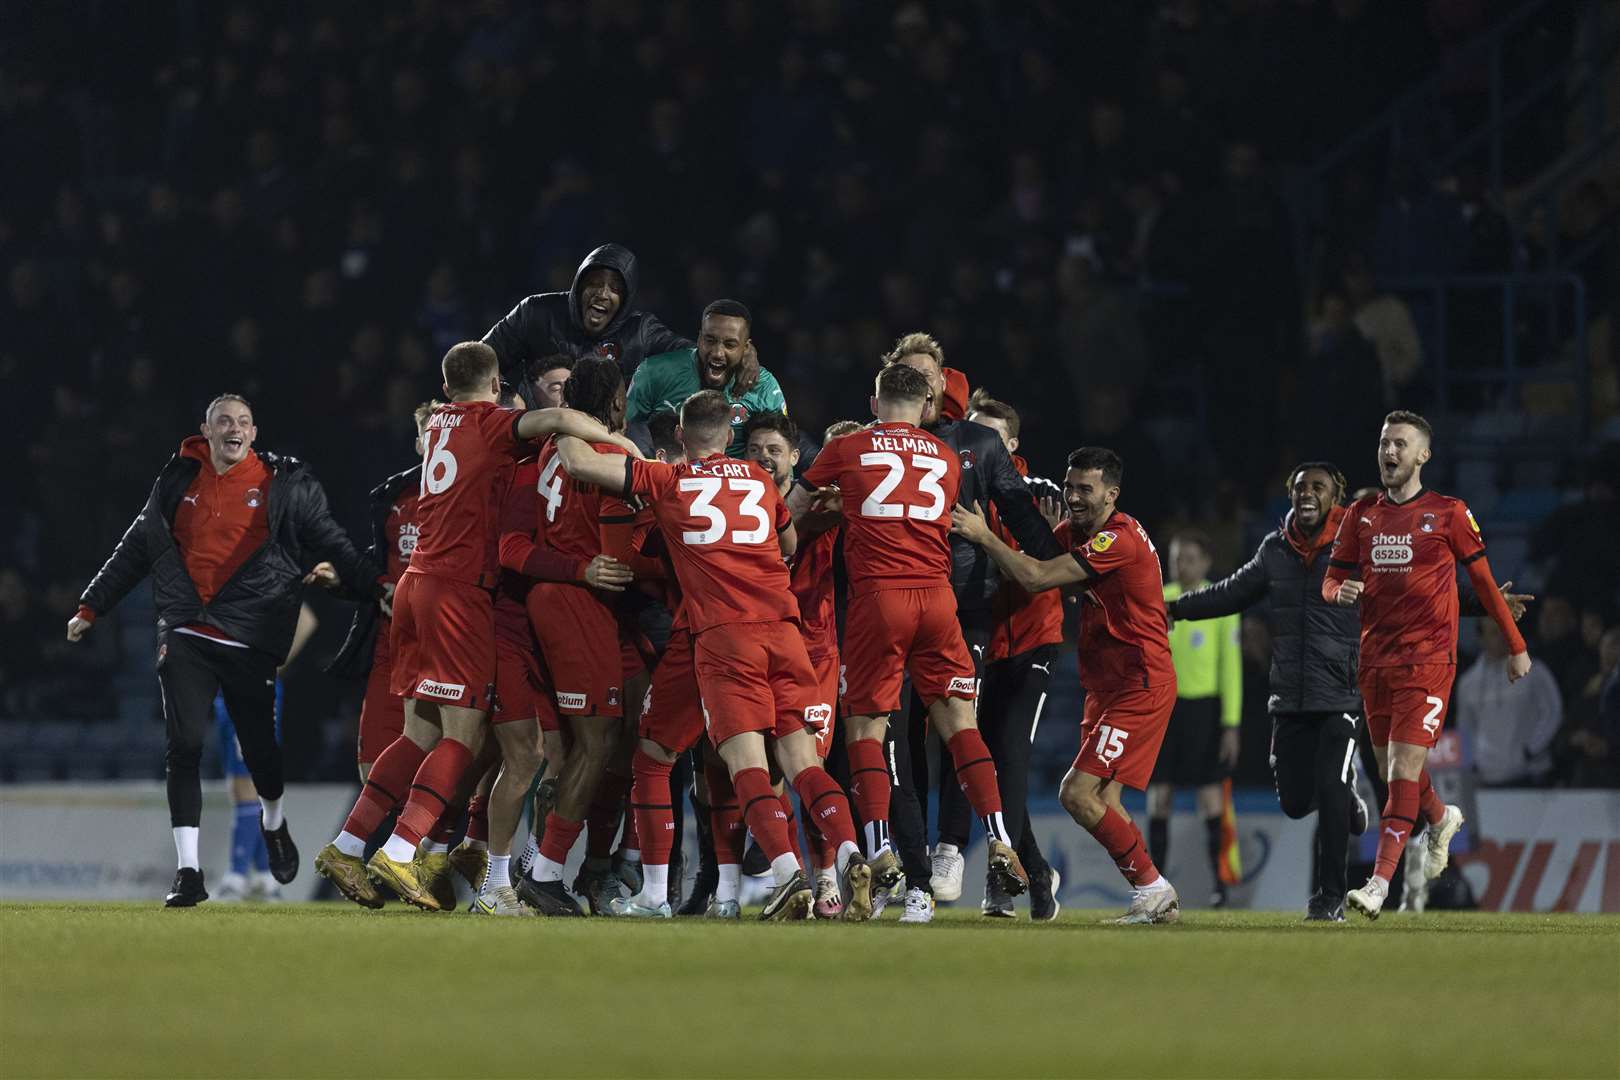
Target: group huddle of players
[527, 560]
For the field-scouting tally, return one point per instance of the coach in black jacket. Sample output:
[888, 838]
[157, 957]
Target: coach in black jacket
[595, 317]
[233, 641]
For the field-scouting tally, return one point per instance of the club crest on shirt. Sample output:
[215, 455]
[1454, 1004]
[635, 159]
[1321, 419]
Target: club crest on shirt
[253, 497]
[739, 413]
[967, 460]
[1103, 541]
[1428, 523]
[608, 350]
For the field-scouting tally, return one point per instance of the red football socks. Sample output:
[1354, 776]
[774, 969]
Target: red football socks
[724, 817]
[1123, 842]
[606, 810]
[975, 771]
[387, 786]
[650, 808]
[826, 812]
[869, 788]
[1430, 804]
[1400, 814]
[432, 790]
[478, 819]
[559, 839]
[763, 812]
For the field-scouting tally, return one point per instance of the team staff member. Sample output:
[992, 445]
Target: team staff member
[719, 361]
[1201, 746]
[227, 534]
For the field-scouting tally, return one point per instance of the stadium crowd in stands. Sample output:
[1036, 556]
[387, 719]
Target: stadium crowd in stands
[309, 206]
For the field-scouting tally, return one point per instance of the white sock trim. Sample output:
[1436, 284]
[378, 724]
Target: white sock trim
[185, 846]
[271, 811]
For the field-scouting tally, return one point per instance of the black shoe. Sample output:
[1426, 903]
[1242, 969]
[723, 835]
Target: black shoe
[1043, 889]
[697, 902]
[677, 875]
[1218, 898]
[997, 904]
[281, 851]
[1323, 909]
[187, 890]
[754, 861]
[547, 897]
[1358, 805]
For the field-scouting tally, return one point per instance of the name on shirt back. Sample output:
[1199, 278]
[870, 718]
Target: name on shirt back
[445, 420]
[905, 444]
[722, 468]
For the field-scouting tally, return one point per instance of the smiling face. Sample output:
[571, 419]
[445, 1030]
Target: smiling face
[1312, 492]
[1402, 450]
[230, 433]
[1089, 499]
[935, 375]
[601, 294]
[720, 346]
[770, 451]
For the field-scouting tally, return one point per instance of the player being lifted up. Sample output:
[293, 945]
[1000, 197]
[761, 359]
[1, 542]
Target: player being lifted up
[727, 530]
[896, 484]
[1125, 662]
[1396, 553]
[443, 627]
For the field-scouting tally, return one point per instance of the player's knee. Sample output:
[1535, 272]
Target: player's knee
[658, 753]
[1084, 805]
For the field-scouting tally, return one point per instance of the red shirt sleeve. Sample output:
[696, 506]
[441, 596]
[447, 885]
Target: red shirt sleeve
[1464, 536]
[649, 478]
[1469, 547]
[499, 428]
[1345, 559]
[783, 517]
[1108, 550]
[518, 515]
[828, 466]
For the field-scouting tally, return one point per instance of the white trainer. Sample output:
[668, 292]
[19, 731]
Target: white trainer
[501, 900]
[232, 889]
[919, 907]
[948, 866]
[1438, 840]
[1369, 899]
[1155, 903]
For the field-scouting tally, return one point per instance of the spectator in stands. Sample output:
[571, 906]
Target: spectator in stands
[1384, 320]
[1588, 748]
[1512, 725]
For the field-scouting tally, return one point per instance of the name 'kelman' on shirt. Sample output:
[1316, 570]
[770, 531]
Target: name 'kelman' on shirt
[904, 443]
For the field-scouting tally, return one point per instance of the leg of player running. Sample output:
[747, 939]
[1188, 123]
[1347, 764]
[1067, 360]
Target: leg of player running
[827, 810]
[432, 792]
[590, 750]
[869, 779]
[653, 809]
[1093, 802]
[726, 832]
[385, 789]
[519, 742]
[975, 771]
[1402, 810]
[1160, 803]
[744, 757]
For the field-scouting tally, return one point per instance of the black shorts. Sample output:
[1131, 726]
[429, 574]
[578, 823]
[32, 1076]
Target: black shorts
[1190, 756]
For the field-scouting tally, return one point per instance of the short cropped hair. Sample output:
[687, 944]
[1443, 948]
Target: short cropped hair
[982, 402]
[915, 342]
[1193, 536]
[469, 366]
[553, 362]
[897, 382]
[661, 430]
[1102, 459]
[208, 413]
[731, 309]
[777, 422]
[706, 417]
[1406, 416]
[838, 429]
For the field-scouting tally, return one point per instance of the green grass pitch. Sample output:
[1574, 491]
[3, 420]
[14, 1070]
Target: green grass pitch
[330, 990]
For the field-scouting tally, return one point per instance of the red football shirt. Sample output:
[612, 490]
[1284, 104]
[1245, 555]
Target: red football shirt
[1124, 631]
[899, 484]
[571, 514]
[465, 448]
[1023, 621]
[812, 579]
[400, 533]
[1406, 555]
[720, 516]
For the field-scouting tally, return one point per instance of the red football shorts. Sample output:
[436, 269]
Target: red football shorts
[1121, 733]
[756, 677]
[443, 641]
[829, 677]
[1408, 703]
[382, 712]
[895, 631]
[584, 649]
[672, 714]
[521, 691]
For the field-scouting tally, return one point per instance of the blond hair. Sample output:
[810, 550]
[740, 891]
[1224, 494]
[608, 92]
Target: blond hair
[913, 343]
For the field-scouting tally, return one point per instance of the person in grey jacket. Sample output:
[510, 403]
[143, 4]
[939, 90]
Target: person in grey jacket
[1315, 705]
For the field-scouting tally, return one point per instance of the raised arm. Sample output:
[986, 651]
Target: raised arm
[610, 472]
[1241, 589]
[539, 423]
[1032, 575]
[1020, 514]
[128, 564]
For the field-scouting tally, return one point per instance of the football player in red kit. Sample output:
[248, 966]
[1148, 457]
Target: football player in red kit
[443, 629]
[896, 484]
[727, 531]
[1124, 661]
[1396, 554]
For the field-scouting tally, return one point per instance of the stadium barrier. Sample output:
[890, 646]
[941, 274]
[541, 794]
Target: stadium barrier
[1534, 850]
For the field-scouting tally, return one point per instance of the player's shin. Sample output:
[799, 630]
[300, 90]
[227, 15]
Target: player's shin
[386, 787]
[1123, 842]
[1400, 815]
[654, 816]
[826, 811]
[976, 773]
[1430, 804]
[763, 811]
[431, 793]
[869, 784]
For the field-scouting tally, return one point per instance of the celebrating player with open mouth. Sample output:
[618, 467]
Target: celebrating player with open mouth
[1404, 544]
